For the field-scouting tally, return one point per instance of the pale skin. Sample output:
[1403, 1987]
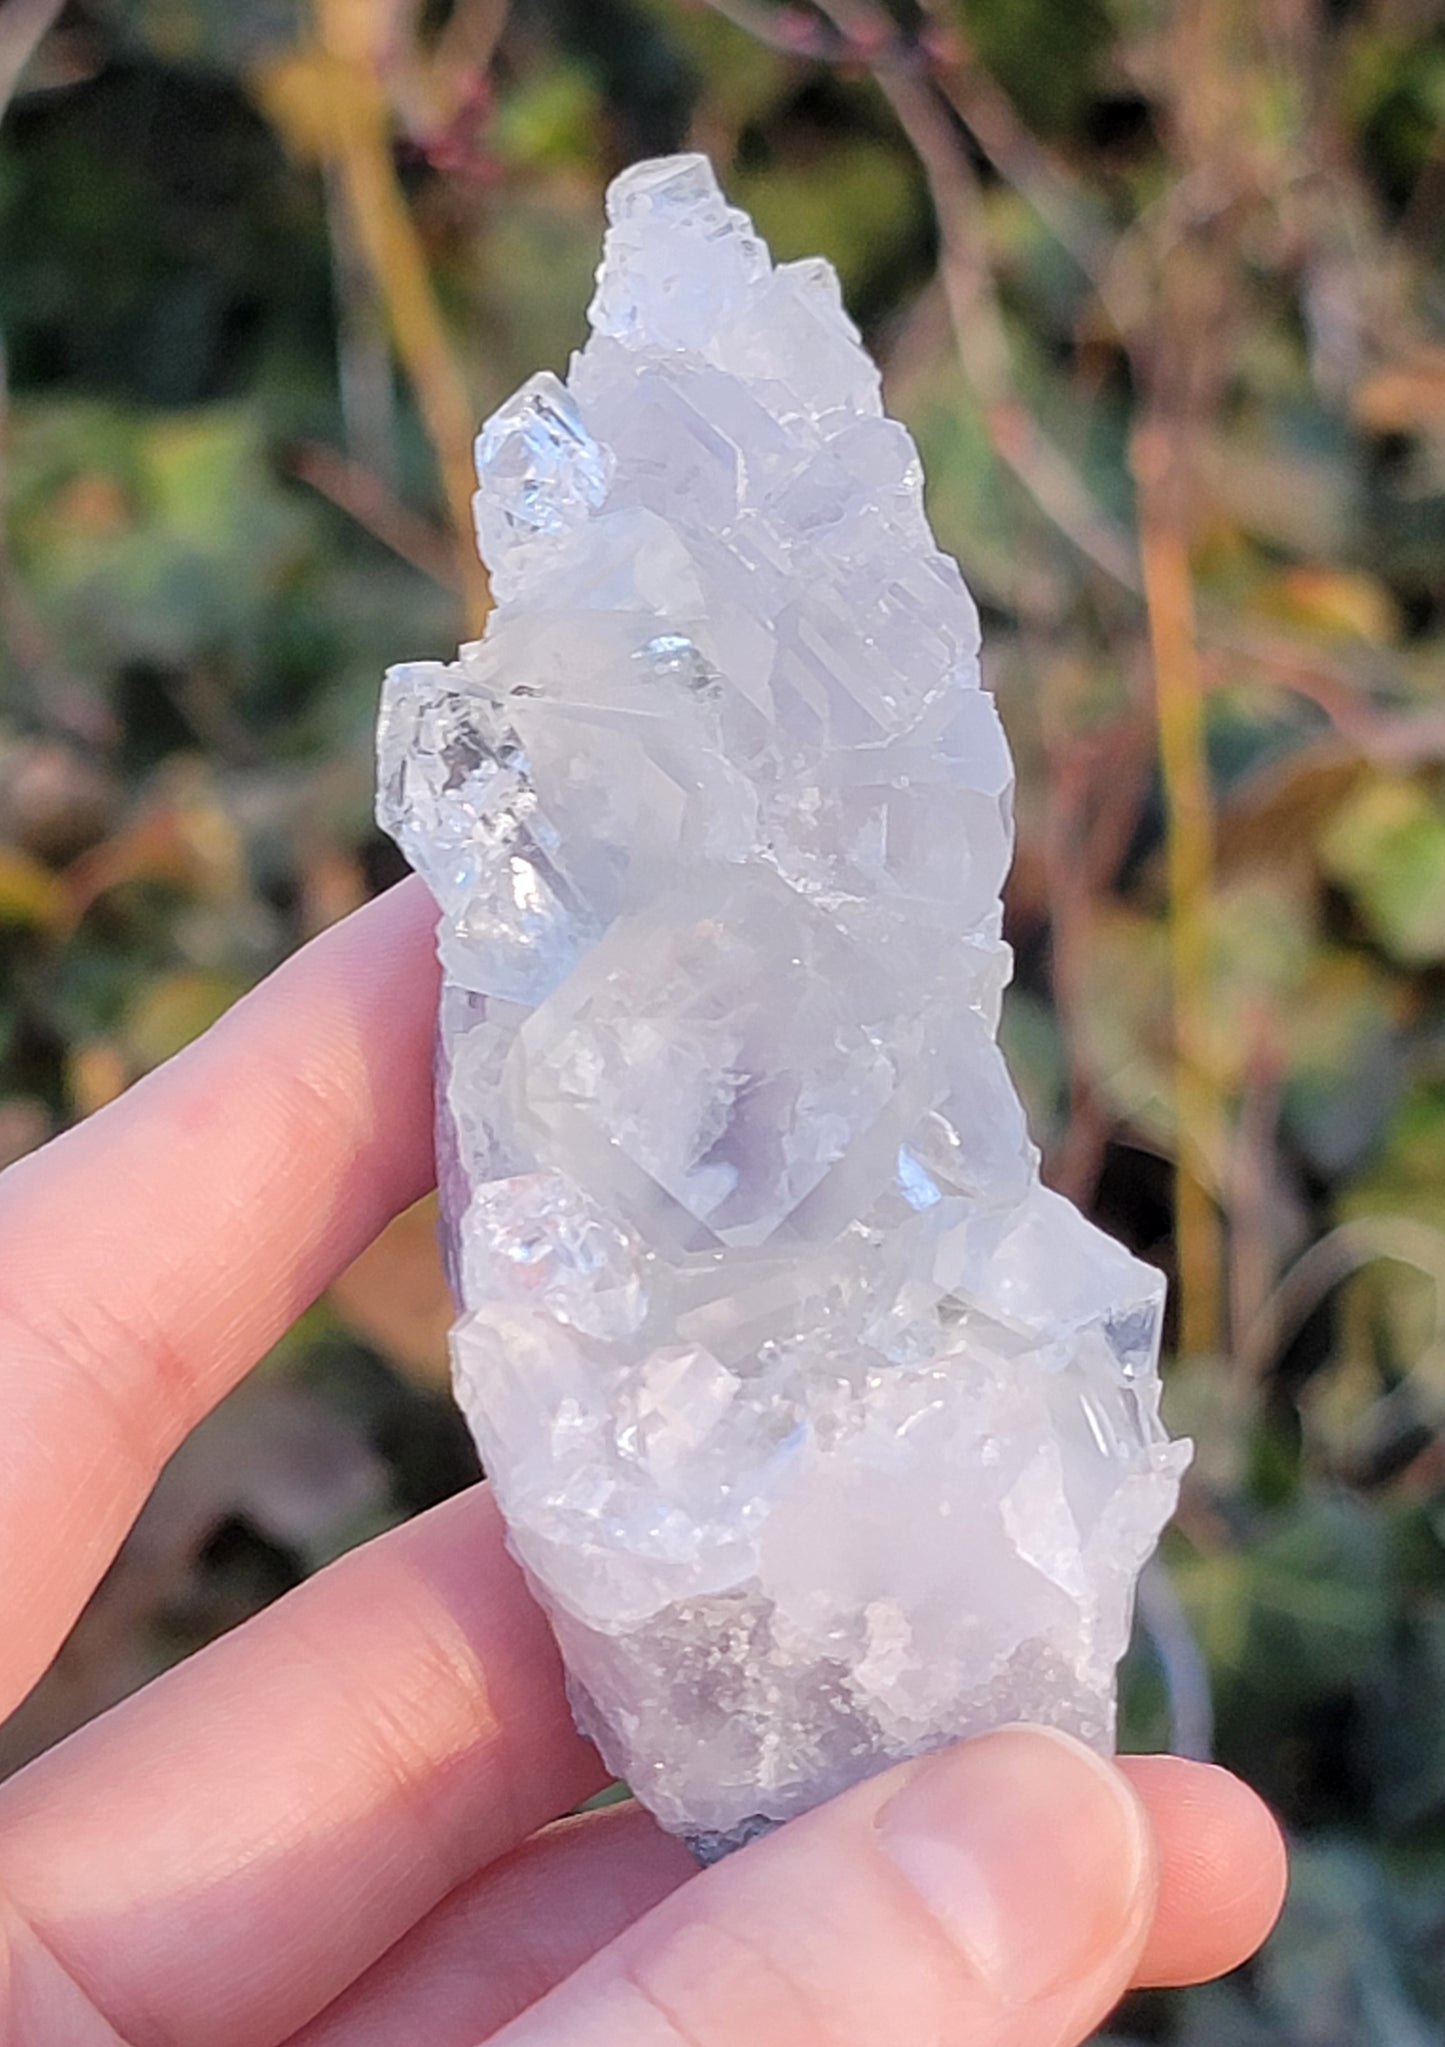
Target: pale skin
[340, 1825]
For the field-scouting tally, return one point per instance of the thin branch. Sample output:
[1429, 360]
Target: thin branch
[1019, 157]
[1347, 1249]
[904, 73]
[940, 55]
[435, 86]
[365, 498]
[788, 30]
[1097, 788]
[1347, 694]
[1180, 360]
[386, 232]
[472, 34]
[330, 101]
[982, 343]
[364, 367]
[1189, 855]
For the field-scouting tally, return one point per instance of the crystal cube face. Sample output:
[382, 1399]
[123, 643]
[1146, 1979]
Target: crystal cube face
[825, 1432]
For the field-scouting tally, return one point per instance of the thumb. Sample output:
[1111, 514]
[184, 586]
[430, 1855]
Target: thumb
[997, 1894]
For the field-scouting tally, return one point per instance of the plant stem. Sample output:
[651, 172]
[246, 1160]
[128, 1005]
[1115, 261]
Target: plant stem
[359, 134]
[1016, 436]
[1179, 708]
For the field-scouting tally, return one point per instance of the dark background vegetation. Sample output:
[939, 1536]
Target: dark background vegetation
[1158, 287]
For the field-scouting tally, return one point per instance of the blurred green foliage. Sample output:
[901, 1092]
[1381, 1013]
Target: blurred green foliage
[222, 518]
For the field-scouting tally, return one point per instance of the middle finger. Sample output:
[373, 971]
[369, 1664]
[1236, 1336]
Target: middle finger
[219, 1857]
[515, 1930]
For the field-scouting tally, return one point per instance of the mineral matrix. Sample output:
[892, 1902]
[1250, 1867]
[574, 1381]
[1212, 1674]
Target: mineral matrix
[823, 1430]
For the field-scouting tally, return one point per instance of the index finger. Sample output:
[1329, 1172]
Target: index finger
[150, 1256]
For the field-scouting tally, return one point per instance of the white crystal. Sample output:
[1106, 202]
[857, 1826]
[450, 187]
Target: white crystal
[824, 1431]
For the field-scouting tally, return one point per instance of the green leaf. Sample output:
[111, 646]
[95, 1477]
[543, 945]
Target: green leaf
[1386, 845]
[548, 121]
[1409, 1176]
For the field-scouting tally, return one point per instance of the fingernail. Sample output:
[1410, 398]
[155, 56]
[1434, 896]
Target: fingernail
[1029, 1850]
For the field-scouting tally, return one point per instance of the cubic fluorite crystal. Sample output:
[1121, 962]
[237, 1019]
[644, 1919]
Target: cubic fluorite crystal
[824, 1430]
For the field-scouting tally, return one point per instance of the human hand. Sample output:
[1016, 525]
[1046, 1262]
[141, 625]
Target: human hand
[331, 1828]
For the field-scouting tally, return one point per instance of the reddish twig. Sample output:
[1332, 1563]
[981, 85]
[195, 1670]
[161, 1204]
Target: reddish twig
[979, 334]
[367, 500]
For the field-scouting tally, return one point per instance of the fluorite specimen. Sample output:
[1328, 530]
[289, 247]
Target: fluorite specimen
[824, 1430]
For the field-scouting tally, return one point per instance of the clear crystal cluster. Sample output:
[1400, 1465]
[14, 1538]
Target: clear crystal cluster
[824, 1431]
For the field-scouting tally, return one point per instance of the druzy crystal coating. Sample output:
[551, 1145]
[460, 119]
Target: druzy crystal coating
[824, 1431]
